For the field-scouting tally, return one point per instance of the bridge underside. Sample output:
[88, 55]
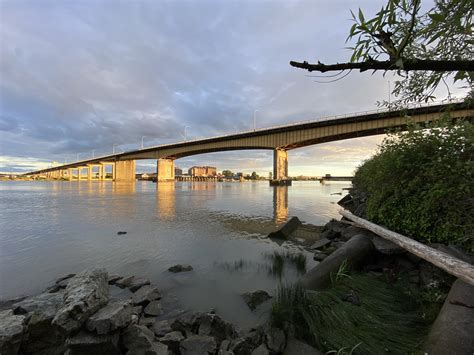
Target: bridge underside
[279, 139]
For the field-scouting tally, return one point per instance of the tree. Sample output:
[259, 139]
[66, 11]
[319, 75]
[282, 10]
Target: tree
[254, 176]
[426, 48]
[420, 184]
[228, 174]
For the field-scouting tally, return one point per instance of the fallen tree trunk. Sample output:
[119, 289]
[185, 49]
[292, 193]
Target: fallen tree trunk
[446, 262]
[355, 252]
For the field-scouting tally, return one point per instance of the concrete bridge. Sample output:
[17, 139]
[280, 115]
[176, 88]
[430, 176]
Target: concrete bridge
[279, 139]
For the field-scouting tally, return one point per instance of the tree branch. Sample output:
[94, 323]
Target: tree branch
[408, 65]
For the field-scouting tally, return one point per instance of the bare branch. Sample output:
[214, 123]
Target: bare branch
[408, 65]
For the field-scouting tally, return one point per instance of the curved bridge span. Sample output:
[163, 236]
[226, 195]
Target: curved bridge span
[280, 139]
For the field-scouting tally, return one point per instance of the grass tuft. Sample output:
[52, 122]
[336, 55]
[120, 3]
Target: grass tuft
[359, 314]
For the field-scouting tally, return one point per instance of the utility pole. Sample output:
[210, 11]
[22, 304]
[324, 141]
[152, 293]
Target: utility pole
[142, 140]
[255, 120]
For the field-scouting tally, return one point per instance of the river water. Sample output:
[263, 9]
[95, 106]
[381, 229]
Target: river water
[49, 229]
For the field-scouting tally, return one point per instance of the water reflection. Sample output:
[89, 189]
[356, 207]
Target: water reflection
[166, 199]
[280, 204]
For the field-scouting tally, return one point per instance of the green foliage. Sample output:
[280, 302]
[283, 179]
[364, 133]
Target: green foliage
[357, 315]
[420, 184]
[228, 174]
[403, 30]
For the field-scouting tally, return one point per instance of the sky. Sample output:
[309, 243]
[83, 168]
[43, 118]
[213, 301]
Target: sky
[78, 77]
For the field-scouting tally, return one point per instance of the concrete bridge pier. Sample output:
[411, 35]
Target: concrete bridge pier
[280, 168]
[165, 170]
[124, 170]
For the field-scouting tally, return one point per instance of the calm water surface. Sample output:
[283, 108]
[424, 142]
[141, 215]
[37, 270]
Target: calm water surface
[49, 229]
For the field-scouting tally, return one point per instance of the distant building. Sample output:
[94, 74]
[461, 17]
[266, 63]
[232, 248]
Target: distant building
[178, 171]
[205, 171]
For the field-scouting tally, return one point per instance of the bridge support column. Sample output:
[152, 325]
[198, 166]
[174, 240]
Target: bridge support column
[165, 170]
[124, 171]
[280, 168]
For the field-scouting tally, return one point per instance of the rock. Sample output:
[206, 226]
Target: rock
[198, 345]
[337, 244]
[137, 310]
[351, 231]
[113, 278]
[180, 268]
[318, 256]
[147, 321]
[8, 304]
[452, 332]
[286, 231]
[297, 347]
[124, 282]
[335, 226]
[85, 294]
[172, 340]
[85, 343]
[187, 322]
[256, 298]
[115, 315]
[121, 232]
[138, 282]
[211, 324]
[262, 350]
[11, 332]
[224, 347]
[67, 277]
[139, 340]
[162, 327]
[40, 311]
[330, 234]
[320, 243]
[241, 346]
[275, 339]
[345, 200]
[145, 295]
[386, 247]
[153, 309]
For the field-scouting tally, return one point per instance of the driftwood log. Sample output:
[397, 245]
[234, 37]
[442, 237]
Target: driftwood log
[446, 262]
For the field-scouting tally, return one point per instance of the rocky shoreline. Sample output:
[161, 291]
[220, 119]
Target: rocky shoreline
[78, 315]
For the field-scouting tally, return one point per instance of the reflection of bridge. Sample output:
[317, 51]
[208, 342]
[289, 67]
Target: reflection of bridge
[279, 139]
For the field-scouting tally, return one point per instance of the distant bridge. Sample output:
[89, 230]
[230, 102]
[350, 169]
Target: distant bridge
[280, 139]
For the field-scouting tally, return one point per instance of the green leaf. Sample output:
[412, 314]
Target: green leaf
[361, 16]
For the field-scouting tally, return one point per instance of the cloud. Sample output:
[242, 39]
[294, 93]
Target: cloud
[83, 76]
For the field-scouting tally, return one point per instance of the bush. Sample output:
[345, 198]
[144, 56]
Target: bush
[420, 184]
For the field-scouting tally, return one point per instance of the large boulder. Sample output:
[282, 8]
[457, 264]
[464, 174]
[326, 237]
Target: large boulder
[85, 294]
[85, 343]
[452, 332]
[11, 332]
[114, 316]
[40, 311]
[297, 347]
[187, 322]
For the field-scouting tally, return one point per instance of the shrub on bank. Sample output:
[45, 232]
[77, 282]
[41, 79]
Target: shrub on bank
[420, 184]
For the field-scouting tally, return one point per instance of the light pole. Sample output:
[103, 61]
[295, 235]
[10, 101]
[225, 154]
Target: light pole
[185, 133]
[255, 120]
[143, 137]
[113, 148]
[77, 157]
[93, 153]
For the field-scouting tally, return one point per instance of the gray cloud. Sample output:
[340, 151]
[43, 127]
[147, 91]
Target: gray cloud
[84, 75]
